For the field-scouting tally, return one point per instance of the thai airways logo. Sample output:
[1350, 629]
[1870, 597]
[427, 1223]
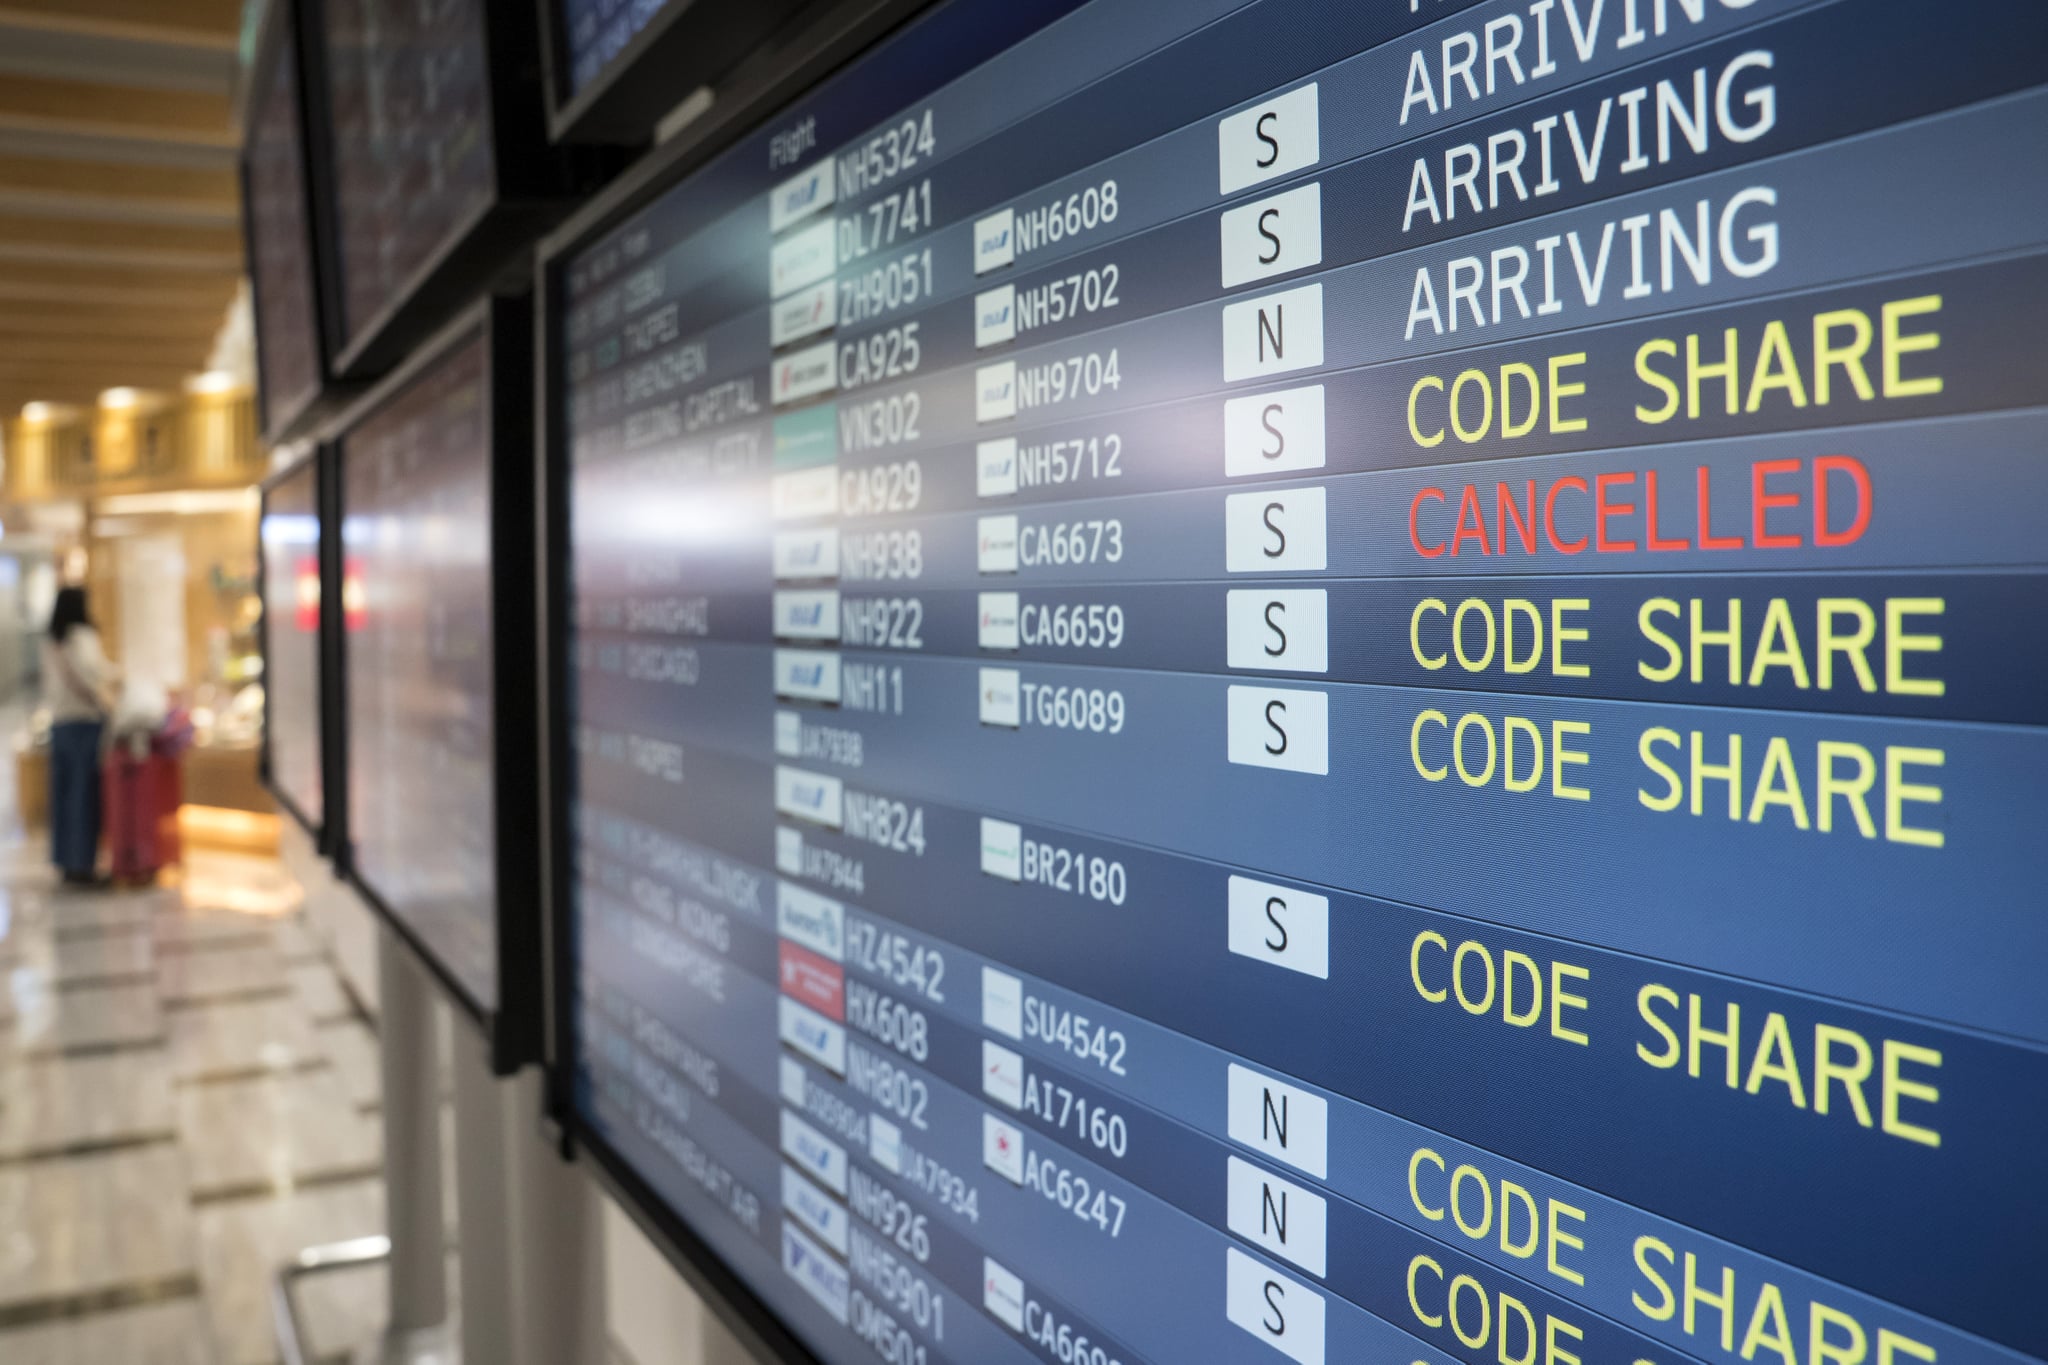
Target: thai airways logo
[995, 392]
[995, 468]
[1001, 691]
[995, 241]
[995, 316]
[998, 627]
[996, 546]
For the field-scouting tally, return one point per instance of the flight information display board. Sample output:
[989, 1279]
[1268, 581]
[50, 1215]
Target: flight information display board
[289, 533]
[595, 32]
[281, 253]
[416, 547]
[1350, 683]
[409, 117]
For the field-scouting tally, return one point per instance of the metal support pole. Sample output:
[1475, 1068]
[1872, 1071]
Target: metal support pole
[557, 1242]
[481, 1186]
[412, 1141]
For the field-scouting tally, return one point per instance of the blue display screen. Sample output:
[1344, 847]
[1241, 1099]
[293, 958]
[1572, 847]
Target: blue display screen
[1350, 683]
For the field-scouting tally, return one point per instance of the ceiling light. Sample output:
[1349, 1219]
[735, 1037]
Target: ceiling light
[117, 398]
[213, 381]
[37, 412]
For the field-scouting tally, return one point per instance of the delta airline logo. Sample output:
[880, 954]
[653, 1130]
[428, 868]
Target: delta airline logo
[805, 976]
[995, 392]
[995, 241]
[800, 315]
[998, 620]
[996, 544]
[803, 259]
[800, 196]
[801, 374]
[1002, 1294]
[995, 468]
[995, 316]
[1002, 1148]
[807, 615]
[1002, 1074]
[1002, 697]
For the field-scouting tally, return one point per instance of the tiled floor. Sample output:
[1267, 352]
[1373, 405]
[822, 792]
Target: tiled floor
[187, 1096]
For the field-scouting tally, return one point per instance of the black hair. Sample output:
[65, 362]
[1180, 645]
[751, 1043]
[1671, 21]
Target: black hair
[68, 611]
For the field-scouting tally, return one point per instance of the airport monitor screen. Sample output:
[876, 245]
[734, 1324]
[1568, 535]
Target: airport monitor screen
[290, 536]
[1335, 682]
[416, 572]
[280, 238]
[409, 118]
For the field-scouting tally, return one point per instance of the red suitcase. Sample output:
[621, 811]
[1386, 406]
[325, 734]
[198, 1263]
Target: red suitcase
[140, 799]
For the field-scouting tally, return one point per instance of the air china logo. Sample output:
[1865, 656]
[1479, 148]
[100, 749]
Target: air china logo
[995, 316]
[995, 468]
[998, 626]
[1002, 1294]
[995, 392]
[807, 372]
[995, 241]
[996, 548]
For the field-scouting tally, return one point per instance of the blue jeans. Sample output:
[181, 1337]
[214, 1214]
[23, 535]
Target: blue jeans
[75, 795]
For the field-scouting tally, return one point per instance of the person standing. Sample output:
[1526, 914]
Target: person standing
[76, 681]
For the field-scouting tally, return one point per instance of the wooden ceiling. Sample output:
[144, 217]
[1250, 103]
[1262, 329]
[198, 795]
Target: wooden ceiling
[120, 242]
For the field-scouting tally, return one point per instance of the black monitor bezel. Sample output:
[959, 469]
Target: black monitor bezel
[298, 413]
[532, 184]
[320, 464]
[513, 1028]
[802, 55]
